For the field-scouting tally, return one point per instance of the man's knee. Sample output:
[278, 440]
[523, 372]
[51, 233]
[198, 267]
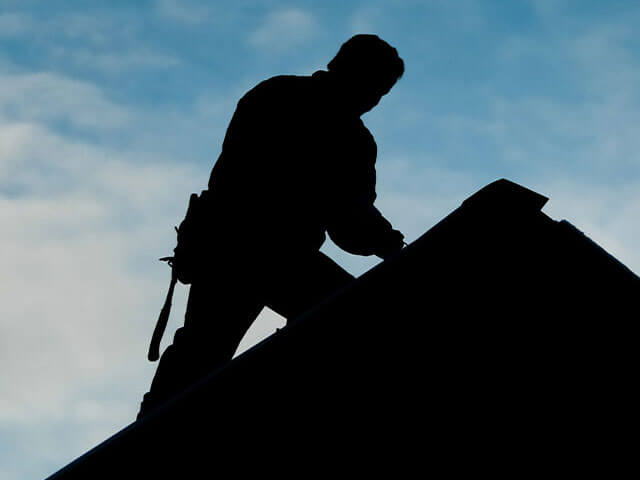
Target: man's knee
[303, 282]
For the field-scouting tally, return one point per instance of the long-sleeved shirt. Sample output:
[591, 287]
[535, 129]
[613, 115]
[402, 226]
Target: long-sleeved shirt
[295, 163]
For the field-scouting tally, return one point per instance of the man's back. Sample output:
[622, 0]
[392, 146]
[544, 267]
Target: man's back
[290, 158]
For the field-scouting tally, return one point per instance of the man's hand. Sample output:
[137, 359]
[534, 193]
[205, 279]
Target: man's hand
[393, 243]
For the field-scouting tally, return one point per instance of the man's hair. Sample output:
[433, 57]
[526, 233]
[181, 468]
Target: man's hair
[364, 55]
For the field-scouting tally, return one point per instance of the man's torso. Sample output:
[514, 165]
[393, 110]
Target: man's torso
[288, 155]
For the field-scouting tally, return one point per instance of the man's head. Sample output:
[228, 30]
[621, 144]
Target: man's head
[369, 67]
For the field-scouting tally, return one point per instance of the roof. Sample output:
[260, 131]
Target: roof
[501, 339]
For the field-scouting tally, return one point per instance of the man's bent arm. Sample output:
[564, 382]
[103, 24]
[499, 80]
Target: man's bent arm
[364, 231]
[356, 225]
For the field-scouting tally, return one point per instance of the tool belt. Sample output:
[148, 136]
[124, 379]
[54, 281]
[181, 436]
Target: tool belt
[192, 234]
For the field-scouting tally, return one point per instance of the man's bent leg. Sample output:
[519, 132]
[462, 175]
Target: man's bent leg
[219, 312]
[303, 282]
[218, 316]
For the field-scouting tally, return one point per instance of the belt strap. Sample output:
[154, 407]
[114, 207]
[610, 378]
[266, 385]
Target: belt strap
[163, 318]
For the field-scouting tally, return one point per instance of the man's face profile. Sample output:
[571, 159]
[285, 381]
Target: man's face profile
[367, 93]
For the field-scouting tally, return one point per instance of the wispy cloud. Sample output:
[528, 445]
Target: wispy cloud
[51, 97]
[188, 12]
[15, 24]
[115, 62]
[591, 134]
[90, 29]
[382, 17]
[86, 41]
[283, 30]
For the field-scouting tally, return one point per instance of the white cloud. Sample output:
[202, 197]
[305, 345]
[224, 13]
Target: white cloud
[76, 311]
[79, 308]
[283, 30]
[83, 225]
[14, 24]
[78, 221]
[101, 38]
[599, 130]
[120, 62]
[51, 97]
[376, 16]
[97, 30]
[184, 11]
[366, 19]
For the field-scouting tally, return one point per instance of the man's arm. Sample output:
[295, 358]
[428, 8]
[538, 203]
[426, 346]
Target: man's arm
[355, 224]
[364, 231]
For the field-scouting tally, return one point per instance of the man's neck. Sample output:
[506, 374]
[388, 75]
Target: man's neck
[339, 91]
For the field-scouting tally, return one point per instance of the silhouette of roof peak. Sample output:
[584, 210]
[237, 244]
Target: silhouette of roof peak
[508, 194]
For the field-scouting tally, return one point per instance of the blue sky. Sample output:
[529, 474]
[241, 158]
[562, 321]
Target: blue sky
[112, 112]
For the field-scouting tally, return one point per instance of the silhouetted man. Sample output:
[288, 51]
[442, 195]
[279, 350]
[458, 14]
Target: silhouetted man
[296, 162]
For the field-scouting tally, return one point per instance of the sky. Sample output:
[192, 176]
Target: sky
[113, 112]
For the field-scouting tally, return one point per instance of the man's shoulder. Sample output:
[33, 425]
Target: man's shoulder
[277, 87]
[281, 81]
